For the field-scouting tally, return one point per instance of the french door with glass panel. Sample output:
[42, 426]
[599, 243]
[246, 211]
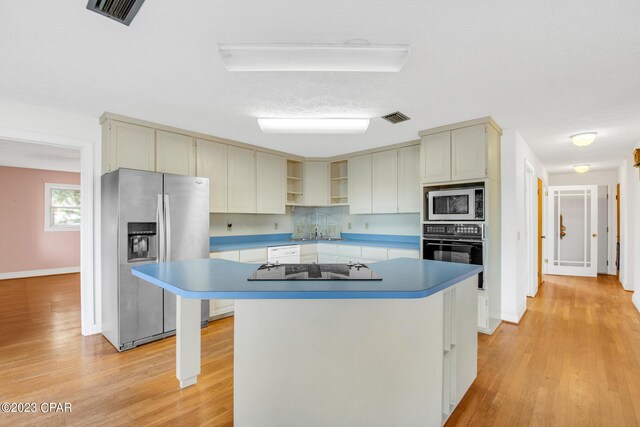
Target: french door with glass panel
[573, 221]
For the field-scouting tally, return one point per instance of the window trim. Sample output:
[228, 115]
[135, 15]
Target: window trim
[48, 226]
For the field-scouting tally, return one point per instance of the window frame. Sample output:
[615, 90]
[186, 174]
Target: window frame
[48, 225]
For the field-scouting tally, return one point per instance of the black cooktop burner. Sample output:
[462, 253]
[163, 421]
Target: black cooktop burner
[351, 271]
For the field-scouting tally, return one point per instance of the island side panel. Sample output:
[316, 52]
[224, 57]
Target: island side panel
[344, 362]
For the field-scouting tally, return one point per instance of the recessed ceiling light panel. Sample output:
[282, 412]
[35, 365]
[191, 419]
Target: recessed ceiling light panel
[581, 168]
[313, 57]
[313, 126]
[583, 139]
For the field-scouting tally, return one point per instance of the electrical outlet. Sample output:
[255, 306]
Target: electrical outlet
[366, 225]
[275, 226]
[349, 226]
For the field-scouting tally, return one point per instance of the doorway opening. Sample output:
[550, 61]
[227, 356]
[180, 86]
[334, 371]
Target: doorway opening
[618, 231]
[40, 227]
[603, 229]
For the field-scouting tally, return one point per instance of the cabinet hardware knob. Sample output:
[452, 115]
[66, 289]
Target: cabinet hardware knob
[595, 235]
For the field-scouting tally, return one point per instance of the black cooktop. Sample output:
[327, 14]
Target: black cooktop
[351, 271]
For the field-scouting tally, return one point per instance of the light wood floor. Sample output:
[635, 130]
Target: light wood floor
[573, 360]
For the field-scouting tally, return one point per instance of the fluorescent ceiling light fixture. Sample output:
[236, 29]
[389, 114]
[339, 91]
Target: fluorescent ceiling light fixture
[300, 125]
[314, 57]
[581, 168]
[583, 139]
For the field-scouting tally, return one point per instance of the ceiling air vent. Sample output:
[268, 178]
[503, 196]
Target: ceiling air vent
[122, 11]
[396, 117]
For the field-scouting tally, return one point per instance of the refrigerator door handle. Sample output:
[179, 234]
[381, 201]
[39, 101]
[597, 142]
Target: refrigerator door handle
[167, 218]
[160, 220]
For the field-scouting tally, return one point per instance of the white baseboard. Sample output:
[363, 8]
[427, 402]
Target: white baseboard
[34, 273]
[636, 299]
[91, 330]
[514, 317]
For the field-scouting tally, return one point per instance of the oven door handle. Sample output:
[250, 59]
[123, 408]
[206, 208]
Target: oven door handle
[448, 244]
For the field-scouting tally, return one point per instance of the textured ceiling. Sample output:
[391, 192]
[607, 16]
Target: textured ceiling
[547, 68]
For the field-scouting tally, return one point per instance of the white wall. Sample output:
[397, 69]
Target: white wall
[608, 178]
[630, 228]
[245, 224]
[23, 122]
[405, 224]
[515, 153]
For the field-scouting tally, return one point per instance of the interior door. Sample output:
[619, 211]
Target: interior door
[573, 222]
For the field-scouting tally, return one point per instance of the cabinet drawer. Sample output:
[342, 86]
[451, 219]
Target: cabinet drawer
[403, 253]
[327, 249]
[374, 253]
[228, 255]
[352, 252]
[253, 255]
[311, 249]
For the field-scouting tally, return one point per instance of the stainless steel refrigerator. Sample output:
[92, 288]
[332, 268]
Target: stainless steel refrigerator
[147, 217]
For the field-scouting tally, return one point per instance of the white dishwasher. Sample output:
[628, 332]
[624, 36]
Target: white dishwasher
[289, 254]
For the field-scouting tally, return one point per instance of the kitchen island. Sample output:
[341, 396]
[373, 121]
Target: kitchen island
[399, 351]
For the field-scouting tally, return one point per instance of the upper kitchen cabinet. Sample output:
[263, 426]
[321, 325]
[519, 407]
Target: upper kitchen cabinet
[384, 182]
[468, 153]
[241, 176]
[175, 153]
[125, 145]
[360, 190]
[212, 164]
[436, 155]
[316, 183]
[461, 152]
[409, 194]
[271, 173]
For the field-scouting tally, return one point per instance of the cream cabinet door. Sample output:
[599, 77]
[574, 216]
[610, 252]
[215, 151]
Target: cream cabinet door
[271, 173]
[212, 163]
[384, 182]
[241, 176]
[131, 146]
[175, 153]
[436, 157]
[409, 194]
[468, 153]
[316, 183]
[360, 184]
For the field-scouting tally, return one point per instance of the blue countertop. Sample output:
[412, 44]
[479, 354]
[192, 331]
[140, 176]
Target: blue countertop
[230, 243]
[221, 279]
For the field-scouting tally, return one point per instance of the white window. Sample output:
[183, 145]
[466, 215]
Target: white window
[61, 207]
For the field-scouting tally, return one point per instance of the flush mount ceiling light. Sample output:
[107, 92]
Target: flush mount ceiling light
[583, 139]
[301, 125]
[313, 57]
[581, 168]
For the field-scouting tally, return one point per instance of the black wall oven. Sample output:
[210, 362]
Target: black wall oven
[461, 243]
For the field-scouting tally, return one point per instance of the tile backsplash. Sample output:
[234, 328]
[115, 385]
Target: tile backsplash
[326, 220]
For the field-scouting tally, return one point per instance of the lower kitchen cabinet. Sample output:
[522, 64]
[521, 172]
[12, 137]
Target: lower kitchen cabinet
[224, 307]
[309, 259]
[403, 253]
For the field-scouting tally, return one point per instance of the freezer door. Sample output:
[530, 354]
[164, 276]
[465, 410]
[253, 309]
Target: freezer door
[140, 303]
[186, 208]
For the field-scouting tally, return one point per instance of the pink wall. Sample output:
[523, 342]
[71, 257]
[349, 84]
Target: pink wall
[24, 245]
